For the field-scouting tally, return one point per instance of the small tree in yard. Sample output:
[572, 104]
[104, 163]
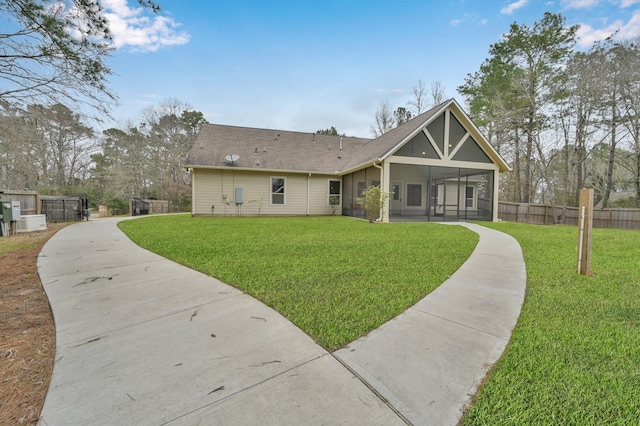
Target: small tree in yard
[374, 200]
[334, 200]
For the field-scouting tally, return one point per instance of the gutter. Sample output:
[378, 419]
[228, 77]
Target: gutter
[255, 169]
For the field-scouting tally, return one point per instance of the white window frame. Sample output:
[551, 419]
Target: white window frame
[329, 194]
[284, 191]
[473, 197]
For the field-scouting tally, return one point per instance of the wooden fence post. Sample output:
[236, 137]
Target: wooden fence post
[585, 223]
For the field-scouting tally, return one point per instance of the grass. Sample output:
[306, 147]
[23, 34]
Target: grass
[17, 242]
[334, 277]
[574, 357]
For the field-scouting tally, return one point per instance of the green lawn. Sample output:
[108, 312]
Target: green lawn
[574, 357]
[334, 277]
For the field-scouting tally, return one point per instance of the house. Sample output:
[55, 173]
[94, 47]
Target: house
[436, 167]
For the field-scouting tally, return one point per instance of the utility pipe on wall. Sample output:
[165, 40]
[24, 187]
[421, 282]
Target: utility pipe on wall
[308, 192]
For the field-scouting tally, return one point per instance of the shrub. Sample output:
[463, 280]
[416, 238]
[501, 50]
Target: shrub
[374, 199]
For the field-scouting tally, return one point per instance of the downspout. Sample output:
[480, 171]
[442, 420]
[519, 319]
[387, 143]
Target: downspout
[382, 207]
[308, 192]
[193, 191]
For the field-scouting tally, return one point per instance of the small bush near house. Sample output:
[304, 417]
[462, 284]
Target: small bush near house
[374, 200]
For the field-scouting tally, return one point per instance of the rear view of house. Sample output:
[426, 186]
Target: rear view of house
[436, 167]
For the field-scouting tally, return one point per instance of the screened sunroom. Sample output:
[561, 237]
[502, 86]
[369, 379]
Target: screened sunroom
[442, 170]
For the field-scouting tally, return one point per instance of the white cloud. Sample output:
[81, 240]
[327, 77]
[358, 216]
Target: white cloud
[512, 7]
[131, 28]
[587, 35]
[627, 3]
[580, 4]
[473, 18]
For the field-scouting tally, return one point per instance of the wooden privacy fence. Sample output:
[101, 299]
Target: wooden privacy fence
[29, 200]
[64, 209]
[543, 214]
[139, 206]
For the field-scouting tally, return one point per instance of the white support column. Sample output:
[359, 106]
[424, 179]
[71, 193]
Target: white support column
[386, 185]
[447, 120]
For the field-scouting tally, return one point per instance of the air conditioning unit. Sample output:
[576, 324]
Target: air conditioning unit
[32, 222]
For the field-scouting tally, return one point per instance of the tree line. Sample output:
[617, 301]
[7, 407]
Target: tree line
[563, 118]
[53, 63]
[52, 150]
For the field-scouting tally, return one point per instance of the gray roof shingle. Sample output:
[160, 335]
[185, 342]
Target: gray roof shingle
[268, 149]
[281, 150]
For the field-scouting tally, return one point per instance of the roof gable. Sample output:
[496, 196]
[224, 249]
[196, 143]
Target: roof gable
[444, 132]
[452, 136]
[382, 146]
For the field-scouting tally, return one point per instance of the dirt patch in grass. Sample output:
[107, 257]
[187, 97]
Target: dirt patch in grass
[27, 333]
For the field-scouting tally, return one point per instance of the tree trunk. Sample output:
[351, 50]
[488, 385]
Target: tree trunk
[637, 179]
[612, 155]
[516, 168]
[527, 161]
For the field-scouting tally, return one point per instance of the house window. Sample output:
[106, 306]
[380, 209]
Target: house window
[414, 195]
[469, 197]
[361, 186]
[375, 183]
[277, 190]
[335, 195]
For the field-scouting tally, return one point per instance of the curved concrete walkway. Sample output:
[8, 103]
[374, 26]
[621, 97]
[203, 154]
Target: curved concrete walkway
[142, 340]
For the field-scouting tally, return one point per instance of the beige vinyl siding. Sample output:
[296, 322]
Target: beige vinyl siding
[218, 187]
[319, 199]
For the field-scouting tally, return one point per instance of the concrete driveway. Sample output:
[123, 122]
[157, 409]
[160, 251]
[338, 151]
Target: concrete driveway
[142, 340]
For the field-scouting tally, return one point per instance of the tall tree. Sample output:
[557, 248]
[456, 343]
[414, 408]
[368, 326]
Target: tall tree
[609, 61]
[438, 93]
[121, 170]
[331, 131]
[383, 119]
[171, 128]
[44, 148]
[419, 100]
[533, 60]
[628, 56]
[54, 52]
[576, 113]
[401, 116]
[496, 106]
[65, 141]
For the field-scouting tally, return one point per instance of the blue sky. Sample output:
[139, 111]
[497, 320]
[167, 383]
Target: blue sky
[306, 65]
